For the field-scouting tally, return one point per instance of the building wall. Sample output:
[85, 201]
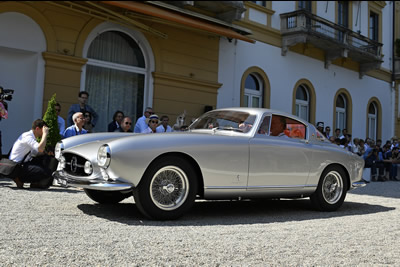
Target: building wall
[185, 74]
[305, 62]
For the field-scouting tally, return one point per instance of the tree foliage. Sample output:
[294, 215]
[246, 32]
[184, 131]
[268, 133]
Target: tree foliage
[50, 117]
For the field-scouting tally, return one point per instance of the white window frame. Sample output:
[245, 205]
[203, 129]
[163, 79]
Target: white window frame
[301, 103]
[250, 93]
[372, 122]
[141, 40]
[339, 111]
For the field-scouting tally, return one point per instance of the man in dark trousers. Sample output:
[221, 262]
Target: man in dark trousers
[28, 150]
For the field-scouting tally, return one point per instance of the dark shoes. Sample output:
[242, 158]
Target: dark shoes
[18, 182]
[43, 184]
[381, 179]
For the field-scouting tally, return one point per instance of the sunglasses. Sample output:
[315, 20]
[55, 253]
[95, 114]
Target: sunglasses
[58, 110]
[154, 121]
[130, 123]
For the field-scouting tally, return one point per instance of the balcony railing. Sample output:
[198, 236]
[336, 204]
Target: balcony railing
[303, 27]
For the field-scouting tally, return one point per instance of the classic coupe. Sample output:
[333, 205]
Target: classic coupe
[231, 153]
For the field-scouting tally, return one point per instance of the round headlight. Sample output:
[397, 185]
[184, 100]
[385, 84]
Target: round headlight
[88, 167]
[58, 149]
[104, 156]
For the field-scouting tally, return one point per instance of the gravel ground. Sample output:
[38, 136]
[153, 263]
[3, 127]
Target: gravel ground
[63, 227]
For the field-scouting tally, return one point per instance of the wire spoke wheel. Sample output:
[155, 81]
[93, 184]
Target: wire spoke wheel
[169, 188]
[332, 187]
[331, 190]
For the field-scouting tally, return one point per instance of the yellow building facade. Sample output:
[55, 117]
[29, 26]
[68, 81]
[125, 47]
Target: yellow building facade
[179, 73]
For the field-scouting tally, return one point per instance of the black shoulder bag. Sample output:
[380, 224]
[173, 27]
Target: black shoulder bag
[10, 168]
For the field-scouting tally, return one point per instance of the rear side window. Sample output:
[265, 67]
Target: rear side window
[282, 126]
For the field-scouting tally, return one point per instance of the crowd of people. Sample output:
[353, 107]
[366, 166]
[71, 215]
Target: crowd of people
[81, 119]
[383, 159]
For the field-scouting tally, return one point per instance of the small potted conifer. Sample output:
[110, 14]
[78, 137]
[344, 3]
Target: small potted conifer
[51, 119]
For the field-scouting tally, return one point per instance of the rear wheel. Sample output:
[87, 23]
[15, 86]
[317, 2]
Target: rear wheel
[331, 190]
[106, 197]
[167, 189]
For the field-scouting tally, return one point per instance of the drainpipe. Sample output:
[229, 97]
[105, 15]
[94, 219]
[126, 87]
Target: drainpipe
[393, 84]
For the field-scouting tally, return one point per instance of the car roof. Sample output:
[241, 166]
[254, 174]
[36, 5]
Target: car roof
[265, 110]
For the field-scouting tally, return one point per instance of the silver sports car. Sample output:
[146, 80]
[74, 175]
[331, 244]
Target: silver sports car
[232, 153]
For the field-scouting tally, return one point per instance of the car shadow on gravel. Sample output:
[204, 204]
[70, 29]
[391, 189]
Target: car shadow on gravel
[232, 212]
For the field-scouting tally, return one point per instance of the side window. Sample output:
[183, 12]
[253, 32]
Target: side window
[264, 126]
[286, 127]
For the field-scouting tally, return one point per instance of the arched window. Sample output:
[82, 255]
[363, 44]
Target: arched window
[115, 77]
[341, 112]
[253, 91]
[303, 102]
[372, 120]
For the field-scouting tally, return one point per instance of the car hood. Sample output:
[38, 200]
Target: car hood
[92, 137]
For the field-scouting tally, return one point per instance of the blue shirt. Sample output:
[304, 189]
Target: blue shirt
[72, 131]
[140, 125]
[77, 108]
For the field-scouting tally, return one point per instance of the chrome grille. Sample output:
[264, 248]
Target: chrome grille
[74, 164]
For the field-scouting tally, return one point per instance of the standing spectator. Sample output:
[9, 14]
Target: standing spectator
[88, 122]
[126, 125]
[116, 122]
[356, 146]
[60, 120]
[152, 123]
[361, 147]
[164, 127]
[394, 159]
[344, 134]
[327, 132]
[394, 142]
[81, 107]
[373, 161]
[320, 127]
[77, 128]
[28, 150]
[337, 133]
[141, 124]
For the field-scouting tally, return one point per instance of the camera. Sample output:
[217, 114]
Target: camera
[6, 94]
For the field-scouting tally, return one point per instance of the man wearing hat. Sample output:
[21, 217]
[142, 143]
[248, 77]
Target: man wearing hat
[152, 122]
[320, 127]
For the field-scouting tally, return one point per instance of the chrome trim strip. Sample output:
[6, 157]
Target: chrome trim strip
[260, 187]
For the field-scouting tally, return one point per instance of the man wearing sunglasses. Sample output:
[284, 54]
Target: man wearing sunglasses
[152, 123]
[126, 125]
[141, 124]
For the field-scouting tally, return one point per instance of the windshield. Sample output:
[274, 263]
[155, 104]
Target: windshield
[225, 120]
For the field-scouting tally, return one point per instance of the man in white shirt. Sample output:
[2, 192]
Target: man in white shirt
[141, 124]
[164, 127]
[278, 126]
[28, 150]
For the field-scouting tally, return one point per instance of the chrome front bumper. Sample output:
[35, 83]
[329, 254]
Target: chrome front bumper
[65, 180]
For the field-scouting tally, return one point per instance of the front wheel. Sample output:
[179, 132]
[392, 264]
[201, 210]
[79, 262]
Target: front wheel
[106, 197]
[331, 190]
[167, 189]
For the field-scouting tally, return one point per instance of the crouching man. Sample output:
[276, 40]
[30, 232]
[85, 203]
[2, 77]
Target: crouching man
[27, 150]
